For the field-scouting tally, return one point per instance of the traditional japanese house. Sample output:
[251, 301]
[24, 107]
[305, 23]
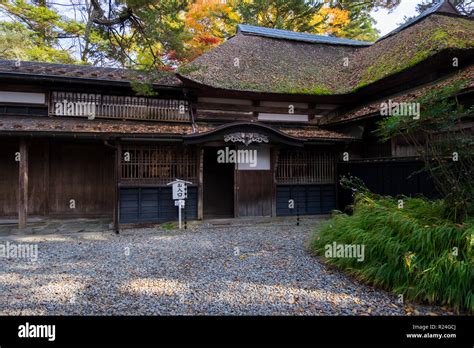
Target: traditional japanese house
[78, 141]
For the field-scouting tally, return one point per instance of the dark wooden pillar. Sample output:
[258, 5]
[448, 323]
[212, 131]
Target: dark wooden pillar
[275, 155]
[236, 191]
[255, 103]
[46, 174]
[23, 185]
[200, 183]
[312, 116]
[117, 175]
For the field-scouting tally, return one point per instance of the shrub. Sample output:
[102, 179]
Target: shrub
[412, 251]
[445, 147]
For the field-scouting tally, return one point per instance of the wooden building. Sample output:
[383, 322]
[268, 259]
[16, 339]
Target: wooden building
[78, 142]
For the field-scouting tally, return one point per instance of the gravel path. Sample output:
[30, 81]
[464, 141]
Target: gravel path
[261, 270]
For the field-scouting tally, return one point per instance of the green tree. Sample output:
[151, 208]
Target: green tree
[298, 15]
[141, 32]
[35, 32]
[293, 15]
[49, 35]
[16, 42]
[361, 24]
[444, 144]
[159, 34]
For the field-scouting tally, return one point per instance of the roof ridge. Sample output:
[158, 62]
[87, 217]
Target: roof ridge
[315, 38]
[297, 36]
[433, 9]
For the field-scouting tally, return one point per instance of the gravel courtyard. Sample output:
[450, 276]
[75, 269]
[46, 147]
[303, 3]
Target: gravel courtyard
[249, 270]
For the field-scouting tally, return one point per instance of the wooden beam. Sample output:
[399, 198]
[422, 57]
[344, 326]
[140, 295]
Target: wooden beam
[214, 116]
[23, 185]
[202, 107]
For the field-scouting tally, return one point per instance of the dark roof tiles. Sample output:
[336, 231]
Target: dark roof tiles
[313, 133]
[81, 72]
[81, 125]
[123, 128]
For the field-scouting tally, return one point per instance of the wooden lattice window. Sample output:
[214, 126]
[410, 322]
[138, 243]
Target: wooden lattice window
[158, 164]
[305, 167]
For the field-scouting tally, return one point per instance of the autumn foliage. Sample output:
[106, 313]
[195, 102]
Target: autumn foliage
[147, 33]
[210, 22]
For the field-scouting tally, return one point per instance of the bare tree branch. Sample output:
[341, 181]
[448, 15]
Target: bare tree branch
[100, 19]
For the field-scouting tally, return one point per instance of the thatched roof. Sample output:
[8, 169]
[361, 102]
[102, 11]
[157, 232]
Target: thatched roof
[259, 63]
[373, 109]
[444, 6]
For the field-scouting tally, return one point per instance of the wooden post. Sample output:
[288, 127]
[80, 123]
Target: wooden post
[336, 179]
[200, 183]
[46, 173]
[185, 216]
[23, 185]
[236, 191]
[312, 116]
[117, 172]
[297, 210]
[275, 152]
[255, 103]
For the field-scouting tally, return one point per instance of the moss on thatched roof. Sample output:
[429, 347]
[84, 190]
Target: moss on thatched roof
[464, 76]
[262, 64]
[411, 46]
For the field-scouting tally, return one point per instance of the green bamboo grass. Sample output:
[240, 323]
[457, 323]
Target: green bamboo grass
[409, 251]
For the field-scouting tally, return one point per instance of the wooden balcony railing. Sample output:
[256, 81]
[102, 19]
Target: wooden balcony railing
[118, 107]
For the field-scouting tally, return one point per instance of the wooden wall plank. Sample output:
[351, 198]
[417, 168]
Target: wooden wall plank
[82, 172]
[9, 178]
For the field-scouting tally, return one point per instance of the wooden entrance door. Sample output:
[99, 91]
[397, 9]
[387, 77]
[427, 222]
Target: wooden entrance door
[255, 187]
[254, 195]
